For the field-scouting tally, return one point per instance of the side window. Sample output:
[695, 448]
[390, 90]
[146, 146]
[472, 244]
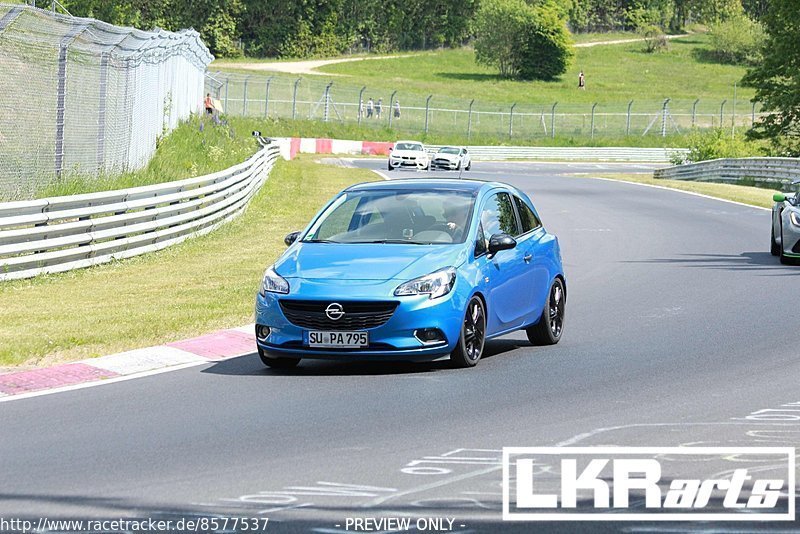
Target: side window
[482, 243]
[497, 216]
[529, 219]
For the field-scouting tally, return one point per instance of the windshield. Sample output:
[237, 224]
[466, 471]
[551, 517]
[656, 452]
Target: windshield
[394, 216]
[408, 146]
[450, 150]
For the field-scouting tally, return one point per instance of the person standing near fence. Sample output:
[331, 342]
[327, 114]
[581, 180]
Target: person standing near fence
[209, 104]
[396, 109]
[581, 81]
[370, 107]
[378, 108]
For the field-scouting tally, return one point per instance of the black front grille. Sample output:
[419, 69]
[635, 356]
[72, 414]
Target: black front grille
[357, 315]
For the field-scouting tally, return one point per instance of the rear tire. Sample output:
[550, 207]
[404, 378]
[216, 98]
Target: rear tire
[472, 337]
[774, 247]
[277, 363]
[551, 324]
[468, 167]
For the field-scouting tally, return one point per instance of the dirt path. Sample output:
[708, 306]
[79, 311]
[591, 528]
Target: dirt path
[296, 67]
[623, 41]
[310, 66]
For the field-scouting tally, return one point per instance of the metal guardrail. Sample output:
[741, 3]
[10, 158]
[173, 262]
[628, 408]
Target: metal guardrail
[71, 232]
[654, 155]
[777, 172]
[292, 145]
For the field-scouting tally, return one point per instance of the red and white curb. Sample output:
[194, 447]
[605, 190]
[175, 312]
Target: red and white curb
[291, 146]
[213, 347]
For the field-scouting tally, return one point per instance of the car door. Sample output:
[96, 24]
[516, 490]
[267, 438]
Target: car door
[529, 241]
[504, 272]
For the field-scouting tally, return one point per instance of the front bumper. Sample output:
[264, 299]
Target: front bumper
[444, 164]
[419, 164]
[393, 340]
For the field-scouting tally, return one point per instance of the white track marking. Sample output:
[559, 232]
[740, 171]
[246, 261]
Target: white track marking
[143, 360]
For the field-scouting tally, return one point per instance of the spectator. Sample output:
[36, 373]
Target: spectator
[396, 109]
[581, 81]
[370, 107]
[378, 108]
[209, 104]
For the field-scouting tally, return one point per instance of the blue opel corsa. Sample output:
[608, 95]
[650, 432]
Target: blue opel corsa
[412, 270]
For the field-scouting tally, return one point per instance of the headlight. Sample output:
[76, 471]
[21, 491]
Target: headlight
[274, 283]
[435, 284]
[795, 218]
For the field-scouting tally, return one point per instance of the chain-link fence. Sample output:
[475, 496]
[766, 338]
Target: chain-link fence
[281, 96]
[79, 96]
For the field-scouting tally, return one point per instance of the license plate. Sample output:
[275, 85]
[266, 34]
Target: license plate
[338, 339]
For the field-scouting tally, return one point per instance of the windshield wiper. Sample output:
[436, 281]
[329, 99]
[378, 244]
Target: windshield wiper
[391, 241]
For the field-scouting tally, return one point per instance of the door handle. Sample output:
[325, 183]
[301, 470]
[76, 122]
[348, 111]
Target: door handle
[527, 258]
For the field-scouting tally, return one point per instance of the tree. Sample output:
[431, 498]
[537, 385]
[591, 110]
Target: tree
[777, 79]
[499, 25]
[521, 40]
[546, 49]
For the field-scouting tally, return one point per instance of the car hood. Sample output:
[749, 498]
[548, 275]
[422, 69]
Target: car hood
[406, 153]
[449, 157]
[335, 261]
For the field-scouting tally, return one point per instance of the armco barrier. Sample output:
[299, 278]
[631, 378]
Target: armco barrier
[777, 172]
[63, 233]
[291, 146]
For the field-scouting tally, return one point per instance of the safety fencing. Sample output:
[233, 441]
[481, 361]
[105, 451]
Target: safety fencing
[771, 172]
[82, 97]
[64, 233]
[291, 146]
[282, 96]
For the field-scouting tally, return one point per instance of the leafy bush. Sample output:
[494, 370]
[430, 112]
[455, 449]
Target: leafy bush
[737, 40]
[715, 144]
[654, 39]
[523, 41]
[546, 50]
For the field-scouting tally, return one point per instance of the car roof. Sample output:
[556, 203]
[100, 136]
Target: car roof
[450, 146]
[408, 141]
[429, 184]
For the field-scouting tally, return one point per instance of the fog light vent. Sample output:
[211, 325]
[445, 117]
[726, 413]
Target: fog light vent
[262, 332]
[430, 336]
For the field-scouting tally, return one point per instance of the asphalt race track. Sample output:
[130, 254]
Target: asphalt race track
[681, 330]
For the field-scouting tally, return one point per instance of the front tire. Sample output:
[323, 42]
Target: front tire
[390, 167]
[472, 337]
[551, 324]
[277, 363]
[774, 248]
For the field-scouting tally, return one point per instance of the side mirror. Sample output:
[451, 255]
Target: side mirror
[500, 242]
[291, 238]
[778, 197]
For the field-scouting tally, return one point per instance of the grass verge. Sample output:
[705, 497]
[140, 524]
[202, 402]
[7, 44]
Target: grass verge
[753, 196]
[614, 74]
[377, 132]
[194, 148]
[198, 286]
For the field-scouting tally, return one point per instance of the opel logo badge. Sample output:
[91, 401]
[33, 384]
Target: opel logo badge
[334, 311]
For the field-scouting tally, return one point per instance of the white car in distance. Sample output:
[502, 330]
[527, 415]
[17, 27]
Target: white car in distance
[409, 154]
[452, 158]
